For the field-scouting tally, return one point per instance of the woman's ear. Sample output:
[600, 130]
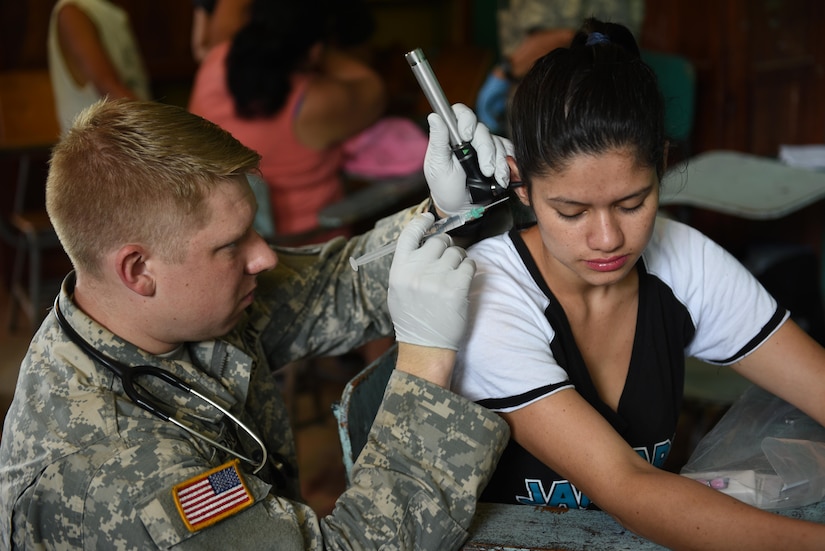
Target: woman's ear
[515, 182]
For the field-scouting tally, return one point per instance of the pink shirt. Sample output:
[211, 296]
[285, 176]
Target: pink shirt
[302, 180]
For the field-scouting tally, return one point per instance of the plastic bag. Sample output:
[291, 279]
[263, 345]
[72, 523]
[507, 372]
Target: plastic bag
[764, 452]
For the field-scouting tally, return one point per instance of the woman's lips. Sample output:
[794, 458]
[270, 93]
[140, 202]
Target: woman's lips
[607, 264]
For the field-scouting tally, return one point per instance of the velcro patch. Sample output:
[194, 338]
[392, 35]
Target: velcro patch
[211, 496]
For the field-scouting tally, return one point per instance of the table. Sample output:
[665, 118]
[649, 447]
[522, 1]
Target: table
[739, 184]
[378, 198]
[499, 527]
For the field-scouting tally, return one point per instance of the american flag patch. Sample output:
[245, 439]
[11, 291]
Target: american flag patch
[212, 496]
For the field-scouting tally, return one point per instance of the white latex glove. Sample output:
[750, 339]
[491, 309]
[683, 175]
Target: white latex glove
[444, 174]
[428, 288]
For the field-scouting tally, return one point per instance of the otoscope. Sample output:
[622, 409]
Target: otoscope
[483, 189]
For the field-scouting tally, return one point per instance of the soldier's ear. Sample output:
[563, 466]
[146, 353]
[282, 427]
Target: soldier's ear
[134, 269]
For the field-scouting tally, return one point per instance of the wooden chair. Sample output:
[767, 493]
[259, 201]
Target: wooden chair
[28, 130]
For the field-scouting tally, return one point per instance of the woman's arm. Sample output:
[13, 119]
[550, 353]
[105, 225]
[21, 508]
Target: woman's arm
[226, 20]
[345, 98]
[791, 365]
[198, 38]
[568, 435]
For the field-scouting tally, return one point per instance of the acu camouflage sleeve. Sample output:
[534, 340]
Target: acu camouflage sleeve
[428, 457]
[318, 305]
[522, 16]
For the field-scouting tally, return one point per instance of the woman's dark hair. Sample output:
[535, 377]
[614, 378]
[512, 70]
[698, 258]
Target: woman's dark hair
[268, 50]
[589, 98]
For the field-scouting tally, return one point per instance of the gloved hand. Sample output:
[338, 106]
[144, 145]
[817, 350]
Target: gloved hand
[491, 103]
[444, 174]
[428, 288]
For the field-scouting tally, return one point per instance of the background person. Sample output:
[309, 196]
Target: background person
[215, 21]
[92, 54]
[283, 91]
[528, 29]
[152, 205]
[580, 323]
[201, 18]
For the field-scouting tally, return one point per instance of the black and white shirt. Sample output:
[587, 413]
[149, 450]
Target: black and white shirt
[695, 299]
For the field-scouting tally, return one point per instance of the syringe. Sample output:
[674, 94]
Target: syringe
[440, 226]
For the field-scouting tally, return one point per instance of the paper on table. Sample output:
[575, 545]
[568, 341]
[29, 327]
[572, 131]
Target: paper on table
[803, 156]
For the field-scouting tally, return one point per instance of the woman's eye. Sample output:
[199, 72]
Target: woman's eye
[633, 207]
[569, 216]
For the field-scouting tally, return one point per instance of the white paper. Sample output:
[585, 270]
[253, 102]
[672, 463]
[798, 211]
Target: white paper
[803, 156]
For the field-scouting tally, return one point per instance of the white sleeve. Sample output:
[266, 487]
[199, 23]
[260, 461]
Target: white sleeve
[731, 311]
[506, 358]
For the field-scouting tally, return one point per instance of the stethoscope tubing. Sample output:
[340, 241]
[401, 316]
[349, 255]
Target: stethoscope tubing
[126, 373]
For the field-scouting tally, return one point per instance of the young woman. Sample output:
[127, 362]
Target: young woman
[580, 323]
[281, 89]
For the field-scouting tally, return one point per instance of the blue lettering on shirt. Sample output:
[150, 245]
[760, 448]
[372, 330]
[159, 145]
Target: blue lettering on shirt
[660, 453]
[564, 494]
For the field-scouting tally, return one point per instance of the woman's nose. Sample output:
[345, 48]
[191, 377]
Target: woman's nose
[606, 233]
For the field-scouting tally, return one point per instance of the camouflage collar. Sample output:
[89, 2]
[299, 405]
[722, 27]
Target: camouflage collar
[215, 368]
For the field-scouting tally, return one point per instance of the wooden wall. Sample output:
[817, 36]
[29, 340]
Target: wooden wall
[760, 68]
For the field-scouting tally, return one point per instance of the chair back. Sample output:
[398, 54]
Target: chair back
[28, 122]
[27, 113]
[359, 405]
[28, 130]
[677, 80]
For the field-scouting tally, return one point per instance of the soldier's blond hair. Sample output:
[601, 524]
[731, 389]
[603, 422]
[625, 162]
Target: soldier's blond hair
[137, 172]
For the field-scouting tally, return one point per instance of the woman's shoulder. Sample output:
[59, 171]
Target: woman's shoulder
[492, 248]
[216, 55]
[674, 241]
[684, 257]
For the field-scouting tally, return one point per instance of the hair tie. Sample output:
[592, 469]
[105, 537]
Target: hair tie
[596, 38]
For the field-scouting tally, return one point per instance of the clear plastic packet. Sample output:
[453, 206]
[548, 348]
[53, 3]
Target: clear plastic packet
[764, 452]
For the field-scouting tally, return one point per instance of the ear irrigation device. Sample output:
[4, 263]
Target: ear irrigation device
[483, 189]
[441, 226]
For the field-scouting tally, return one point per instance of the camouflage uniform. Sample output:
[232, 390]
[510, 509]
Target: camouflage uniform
[517, 17]
[83, 467]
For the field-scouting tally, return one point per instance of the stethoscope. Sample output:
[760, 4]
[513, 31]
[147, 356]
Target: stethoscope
[142, 398]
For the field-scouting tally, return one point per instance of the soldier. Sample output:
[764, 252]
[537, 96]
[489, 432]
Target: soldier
[152, 206]
[528, 29]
